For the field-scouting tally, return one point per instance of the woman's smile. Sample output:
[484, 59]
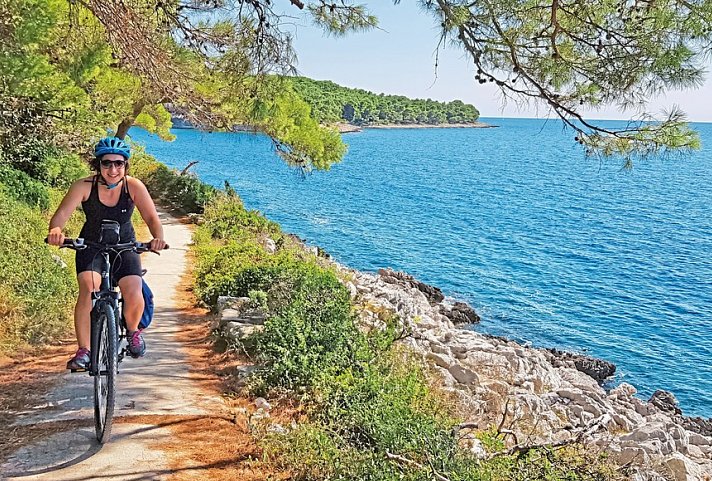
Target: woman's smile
[112, 168]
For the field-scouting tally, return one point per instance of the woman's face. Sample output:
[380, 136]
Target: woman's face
[113, 167]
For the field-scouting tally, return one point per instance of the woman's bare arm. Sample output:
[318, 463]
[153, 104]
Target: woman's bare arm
[147, 209]
[76, 194]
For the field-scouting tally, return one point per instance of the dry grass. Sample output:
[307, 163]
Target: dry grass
[25, 377]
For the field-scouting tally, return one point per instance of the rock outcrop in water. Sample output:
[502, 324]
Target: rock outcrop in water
[539, 396]
[432, 294]
[458, 312]
[598, 369]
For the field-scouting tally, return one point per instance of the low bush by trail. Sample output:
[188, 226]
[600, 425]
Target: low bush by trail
[183, 192]
[19, 186]
[37, 292]
[37, 283]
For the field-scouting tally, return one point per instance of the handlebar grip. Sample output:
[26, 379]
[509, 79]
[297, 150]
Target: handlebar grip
[146, 244]
[77, 243]
[67, 241]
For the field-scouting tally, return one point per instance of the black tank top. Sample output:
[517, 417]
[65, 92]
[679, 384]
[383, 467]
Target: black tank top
[95, 212]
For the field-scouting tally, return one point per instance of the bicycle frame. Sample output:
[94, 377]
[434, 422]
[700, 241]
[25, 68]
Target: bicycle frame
[107, 293]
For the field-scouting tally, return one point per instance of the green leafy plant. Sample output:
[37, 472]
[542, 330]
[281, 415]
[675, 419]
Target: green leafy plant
[21, 186]
[37, 283]
[182, 191]
[311, 335]
[258, 299]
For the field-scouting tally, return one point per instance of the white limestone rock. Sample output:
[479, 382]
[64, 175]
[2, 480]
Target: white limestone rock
[682, 468]
[353, 290]
[441, 360]
[239, 330]
[698, 439]
[230, 302]
[463, 375]
[269, 245]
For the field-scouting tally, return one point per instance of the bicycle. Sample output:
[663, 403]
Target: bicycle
[108, 326]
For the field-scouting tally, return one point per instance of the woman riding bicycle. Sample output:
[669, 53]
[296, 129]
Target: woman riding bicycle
[109, 194]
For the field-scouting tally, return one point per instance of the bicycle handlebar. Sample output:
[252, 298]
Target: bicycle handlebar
[80, 244]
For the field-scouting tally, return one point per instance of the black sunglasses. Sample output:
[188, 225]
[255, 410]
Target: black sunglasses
[116, 163]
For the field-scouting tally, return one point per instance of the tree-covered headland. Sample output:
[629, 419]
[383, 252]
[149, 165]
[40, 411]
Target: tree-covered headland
[332, 103]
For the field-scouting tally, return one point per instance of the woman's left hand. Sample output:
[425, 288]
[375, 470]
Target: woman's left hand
[158, 245]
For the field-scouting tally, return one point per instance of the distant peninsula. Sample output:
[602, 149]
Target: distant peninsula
[352, 109]
[345, 127]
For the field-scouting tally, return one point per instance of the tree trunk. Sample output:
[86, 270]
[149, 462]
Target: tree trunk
[126, 124]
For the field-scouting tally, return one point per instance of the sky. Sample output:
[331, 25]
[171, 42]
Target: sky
[399, 59]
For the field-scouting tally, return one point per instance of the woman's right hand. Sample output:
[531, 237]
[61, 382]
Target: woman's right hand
[55, 237]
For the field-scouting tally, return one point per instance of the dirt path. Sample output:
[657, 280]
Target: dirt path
[159, 401]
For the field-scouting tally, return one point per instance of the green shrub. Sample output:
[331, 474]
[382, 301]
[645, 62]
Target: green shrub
[61, 170]
[225, 218]
[44, 162]
[230, 258]
[360, 415]
[234, 269]
[185, 193]
[258, 299]
[33, 285]
[311, 334]
[20, 186]
[29, 132]
[313, 452]
[386, 406]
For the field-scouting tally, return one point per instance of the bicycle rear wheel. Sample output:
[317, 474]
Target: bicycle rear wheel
[107, 369]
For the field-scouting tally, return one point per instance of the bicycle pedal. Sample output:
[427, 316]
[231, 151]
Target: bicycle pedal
[78, 370]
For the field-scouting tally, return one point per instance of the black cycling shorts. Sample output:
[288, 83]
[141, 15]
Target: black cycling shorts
[126, 264]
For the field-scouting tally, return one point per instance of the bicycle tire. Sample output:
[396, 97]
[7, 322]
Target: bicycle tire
[105, 375]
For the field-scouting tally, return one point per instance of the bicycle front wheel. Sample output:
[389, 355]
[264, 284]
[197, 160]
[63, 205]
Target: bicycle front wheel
[107, 369]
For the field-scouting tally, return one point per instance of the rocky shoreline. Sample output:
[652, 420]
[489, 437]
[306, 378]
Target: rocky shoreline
[345, 128]
[535, 396]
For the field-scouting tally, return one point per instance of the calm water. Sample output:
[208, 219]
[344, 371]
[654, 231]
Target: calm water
[548, 246]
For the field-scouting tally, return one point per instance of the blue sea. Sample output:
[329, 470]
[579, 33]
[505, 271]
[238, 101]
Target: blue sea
[550, 247]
